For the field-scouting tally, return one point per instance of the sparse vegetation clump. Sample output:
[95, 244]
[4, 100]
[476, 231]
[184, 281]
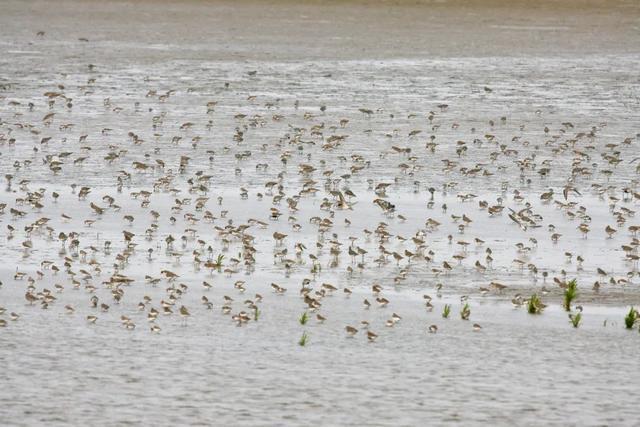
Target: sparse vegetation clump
[303, 339]
[218, 263]
[570, 294]
[304, 318]
[446, 311]
[465, 312]
[535, 305]
[575, 319]
[631, 318]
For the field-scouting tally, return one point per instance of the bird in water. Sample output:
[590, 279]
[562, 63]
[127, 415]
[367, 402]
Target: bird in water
[292, 194]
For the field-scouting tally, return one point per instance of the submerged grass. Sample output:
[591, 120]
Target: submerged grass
[303, 339]
[631, 318]
[570, 294]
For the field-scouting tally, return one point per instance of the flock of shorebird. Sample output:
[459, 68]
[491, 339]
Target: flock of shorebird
[181, 214]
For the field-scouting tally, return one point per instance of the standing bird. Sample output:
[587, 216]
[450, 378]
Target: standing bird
[184, 313]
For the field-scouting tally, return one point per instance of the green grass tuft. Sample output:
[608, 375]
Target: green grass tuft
[465, 312]
[570, 294]
[575, 319]
[256, 314]
[217, 264]
[446, 311]
[304, 318]
[303, 339]
[631, 318]
[535, 305]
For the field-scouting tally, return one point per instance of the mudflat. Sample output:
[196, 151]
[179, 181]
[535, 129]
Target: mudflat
[291, 30]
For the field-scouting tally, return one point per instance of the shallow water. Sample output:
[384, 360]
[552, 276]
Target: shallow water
[518, 369]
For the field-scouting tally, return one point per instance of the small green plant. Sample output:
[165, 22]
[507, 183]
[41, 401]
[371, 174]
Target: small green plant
[218, 261]
[535, 305]
[570, 294]
[304, 318]
[446, 311]
[465, 312]
[256, 314]
[631, 318]
[575, 319]
[303, 339]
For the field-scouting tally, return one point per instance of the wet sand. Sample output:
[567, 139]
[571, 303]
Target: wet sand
[346, 30]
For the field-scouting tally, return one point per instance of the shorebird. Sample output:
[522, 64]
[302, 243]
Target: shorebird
[382, 302]
[184, 313]
[610, 231]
